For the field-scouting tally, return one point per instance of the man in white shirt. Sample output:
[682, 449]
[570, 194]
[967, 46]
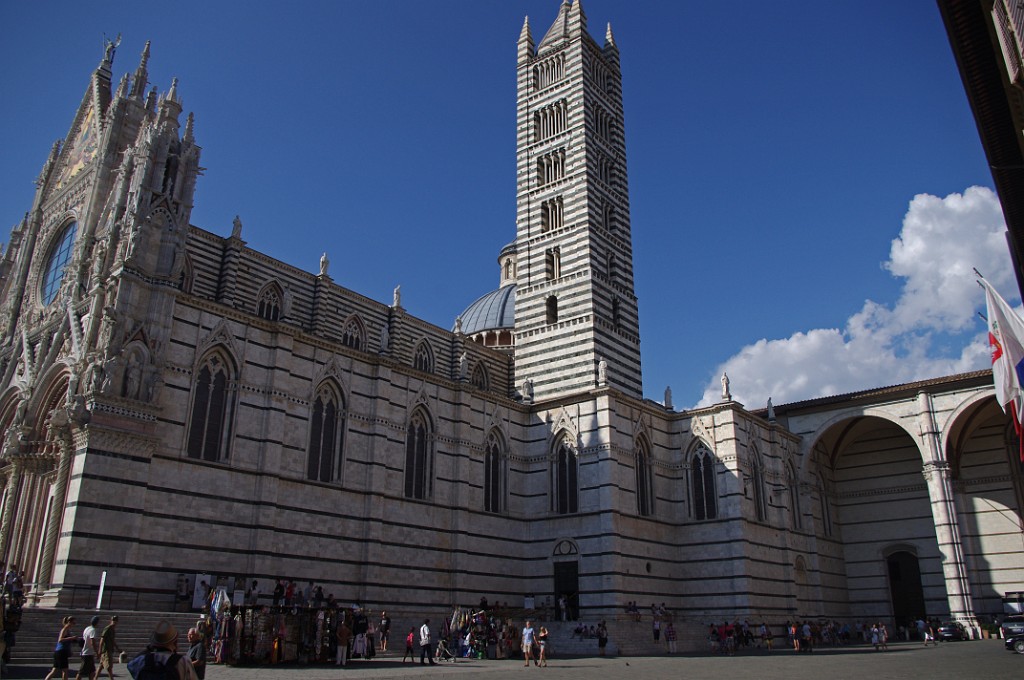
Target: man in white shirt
[426, 652]
[90, 650]
[528, 643]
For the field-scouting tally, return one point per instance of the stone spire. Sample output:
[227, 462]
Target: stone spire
[525, 42]
[141, 78]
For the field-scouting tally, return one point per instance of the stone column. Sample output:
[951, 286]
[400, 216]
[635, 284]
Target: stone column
[56, 516]
[947, 529]
[11, 489]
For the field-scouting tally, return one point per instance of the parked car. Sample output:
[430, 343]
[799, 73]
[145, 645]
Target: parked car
[1015, 643]
[950, 630]
[1013, 625]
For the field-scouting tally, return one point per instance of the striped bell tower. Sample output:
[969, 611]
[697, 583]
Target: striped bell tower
[577, 325]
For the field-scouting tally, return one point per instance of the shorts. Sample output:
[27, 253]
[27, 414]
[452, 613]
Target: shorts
[107, 660]
[88, 665]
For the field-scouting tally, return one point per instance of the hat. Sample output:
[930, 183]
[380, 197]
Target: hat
[164, 634]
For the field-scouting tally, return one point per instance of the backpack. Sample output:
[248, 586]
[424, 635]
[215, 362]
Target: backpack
[146, 667]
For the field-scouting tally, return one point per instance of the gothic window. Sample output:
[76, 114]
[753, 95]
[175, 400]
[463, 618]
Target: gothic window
[604, 169]
[418, 456]
[187, 278]
[268, 305]
[702, 481]
[553, 263]
[565, 480]
[794, 497]
[57, 262]
[644, 490]
[551, 167]
[610, 266]
[616, 313]
[608, 215]
[603, 123]
[353, 334]
[757, 484]
[326, 430]
[209, 430]
[551, 310]
[494, 474]
[423, 359]
[479, 379]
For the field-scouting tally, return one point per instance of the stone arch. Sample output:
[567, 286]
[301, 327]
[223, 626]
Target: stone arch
[270, 301]
[812, 440]
[423, 357]
[480, 379]
[353, 332]
[326, 438]
[212, 408]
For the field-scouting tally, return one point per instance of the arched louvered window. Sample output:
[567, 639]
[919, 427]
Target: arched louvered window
[209, 430]
[480, 379]
[644, 490]
[418, 454]
[494, 474]
[565, 480]
[702, 481]
[326, 435]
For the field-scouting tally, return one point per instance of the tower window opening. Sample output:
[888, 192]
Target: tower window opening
[551, 310]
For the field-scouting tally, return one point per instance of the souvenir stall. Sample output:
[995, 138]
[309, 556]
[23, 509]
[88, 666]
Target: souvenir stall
[272, 635]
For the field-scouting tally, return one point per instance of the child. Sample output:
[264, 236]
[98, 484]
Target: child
[408, 646]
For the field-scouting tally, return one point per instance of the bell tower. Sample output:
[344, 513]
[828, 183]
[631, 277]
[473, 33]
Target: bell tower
[577, 325]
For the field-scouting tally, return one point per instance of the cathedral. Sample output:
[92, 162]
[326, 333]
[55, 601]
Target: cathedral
[173, 402]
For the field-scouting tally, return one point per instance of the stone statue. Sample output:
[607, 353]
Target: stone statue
[324, 264]
[98, 257]
[236, 227]
[602, 372]
[109, 47]
[397, 299]
[726, 395]
[528, 390]
[463, 365]
[771, 411]
[133, 378]
[96, 378]
[458, 325]
[668, 398]
[385, 338]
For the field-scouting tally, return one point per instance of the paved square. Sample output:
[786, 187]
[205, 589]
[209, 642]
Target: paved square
[985, 659]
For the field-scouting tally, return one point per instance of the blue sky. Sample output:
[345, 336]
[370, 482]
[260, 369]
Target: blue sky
[800, 175]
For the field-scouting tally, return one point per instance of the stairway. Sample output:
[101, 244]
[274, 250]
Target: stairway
[37, 636]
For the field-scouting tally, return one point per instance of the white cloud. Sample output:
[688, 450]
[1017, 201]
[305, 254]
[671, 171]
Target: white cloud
[942, 241]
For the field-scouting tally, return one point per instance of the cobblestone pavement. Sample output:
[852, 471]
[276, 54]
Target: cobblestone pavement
[983, 659]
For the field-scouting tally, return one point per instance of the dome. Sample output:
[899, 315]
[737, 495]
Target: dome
[493, 311]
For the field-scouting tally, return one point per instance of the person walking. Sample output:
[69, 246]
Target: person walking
[90, 650]
[602, 638]
[527, 643]
[542, 642]
[108, 648]
[62, 652]
[670, 637]
[409, 652]
[426, 651]
[384, 630]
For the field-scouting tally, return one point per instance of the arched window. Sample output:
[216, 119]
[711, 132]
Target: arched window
[565, 480]
[326, 434]
[551, 310]
[479, 379]
[644, 490]
[702, 480]
[794, 497]
[209, 431]
[423, 359]
[57, 262]
[268, 305]
[757, 484]
[494, 474]
[353, 334]
[418, 456]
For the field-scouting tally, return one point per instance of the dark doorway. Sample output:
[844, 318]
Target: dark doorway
[905, 588]
[567, 584]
